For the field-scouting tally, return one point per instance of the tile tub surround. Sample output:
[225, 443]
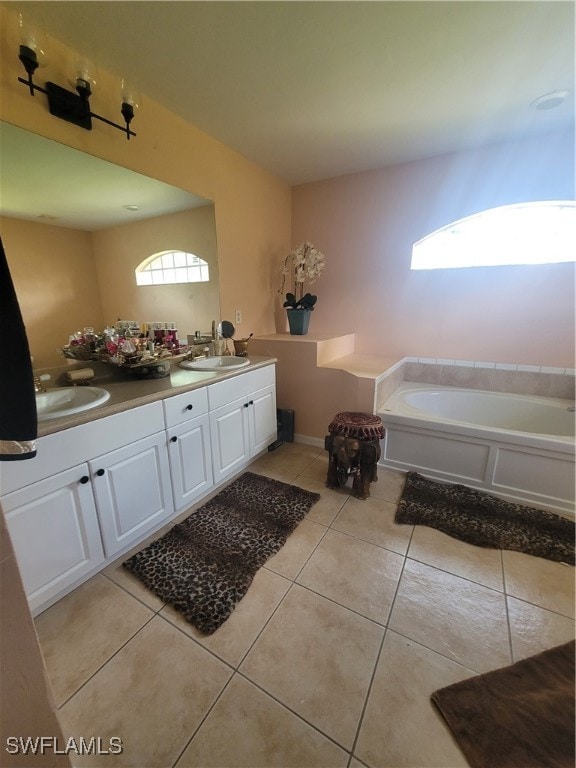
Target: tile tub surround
[493, 377]
[325, 664]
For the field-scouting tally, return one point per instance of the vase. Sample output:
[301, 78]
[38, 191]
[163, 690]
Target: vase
[298, 321]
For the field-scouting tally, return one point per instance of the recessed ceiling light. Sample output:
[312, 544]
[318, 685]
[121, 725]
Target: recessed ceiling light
[549, 100]
[131, 207]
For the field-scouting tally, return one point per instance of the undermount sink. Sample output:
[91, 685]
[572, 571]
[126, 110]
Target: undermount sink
[65, 401]
[225, 362]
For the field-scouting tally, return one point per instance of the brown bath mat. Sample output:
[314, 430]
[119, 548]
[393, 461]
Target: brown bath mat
[204, 565]
[520, 716]
[485, 520]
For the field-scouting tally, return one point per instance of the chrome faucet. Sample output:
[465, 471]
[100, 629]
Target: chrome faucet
[39, 385]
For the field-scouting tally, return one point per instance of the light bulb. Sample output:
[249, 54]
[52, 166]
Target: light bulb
[82, 73]
[31, 40]
[130, 94]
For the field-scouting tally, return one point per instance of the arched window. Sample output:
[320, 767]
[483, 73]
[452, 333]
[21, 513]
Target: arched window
[527, 233]
[170, 267]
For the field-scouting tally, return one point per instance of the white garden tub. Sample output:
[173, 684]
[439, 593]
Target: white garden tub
[518, 447]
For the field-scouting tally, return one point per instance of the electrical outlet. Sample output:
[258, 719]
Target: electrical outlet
[238, 317]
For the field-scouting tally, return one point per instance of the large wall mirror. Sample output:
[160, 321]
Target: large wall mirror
[75, 227]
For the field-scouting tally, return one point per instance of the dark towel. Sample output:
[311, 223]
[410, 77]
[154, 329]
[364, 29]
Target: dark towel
[18, 419]
[520, 716]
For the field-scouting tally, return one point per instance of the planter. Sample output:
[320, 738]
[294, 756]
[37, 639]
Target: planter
[298, 320]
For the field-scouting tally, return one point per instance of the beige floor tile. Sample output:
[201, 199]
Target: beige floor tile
[535, 629]
[285, 476]
[317, 658]
[442, 551]
[330, 502]
[248, 729]
[401, 727]
[153, 695]
[318, 469]
[389, 485]
[83, 630]
[373, 521]
[460, 619]
[542, 582]
[123, 578]
[290, 457]
[355, 574]
[231, 641]
[289, 560]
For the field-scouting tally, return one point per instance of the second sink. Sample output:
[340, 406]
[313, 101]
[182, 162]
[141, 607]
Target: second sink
[215, 363]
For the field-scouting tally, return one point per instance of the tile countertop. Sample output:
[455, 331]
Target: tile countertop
[128, 392]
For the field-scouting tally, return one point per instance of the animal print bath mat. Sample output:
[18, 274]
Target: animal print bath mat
[205, 565]
[485, 520]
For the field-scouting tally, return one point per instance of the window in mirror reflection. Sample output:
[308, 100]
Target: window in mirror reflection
[168, 267]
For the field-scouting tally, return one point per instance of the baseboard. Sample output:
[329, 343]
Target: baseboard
[317, 442]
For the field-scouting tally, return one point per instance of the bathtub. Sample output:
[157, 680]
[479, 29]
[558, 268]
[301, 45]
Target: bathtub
[518, 447]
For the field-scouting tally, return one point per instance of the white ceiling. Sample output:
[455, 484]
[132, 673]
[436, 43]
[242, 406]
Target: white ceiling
[312, 90]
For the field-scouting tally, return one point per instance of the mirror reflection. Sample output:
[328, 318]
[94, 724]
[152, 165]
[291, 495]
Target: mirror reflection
[76, 227]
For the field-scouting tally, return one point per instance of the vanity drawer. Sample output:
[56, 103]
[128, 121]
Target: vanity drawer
[224, 392]
[184, 407]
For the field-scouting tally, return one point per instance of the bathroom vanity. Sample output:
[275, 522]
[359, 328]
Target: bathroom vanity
[98, 488]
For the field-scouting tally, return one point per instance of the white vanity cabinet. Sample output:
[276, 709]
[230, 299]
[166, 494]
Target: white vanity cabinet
[55, 533]
[94, 491]
[242, 419]
[189, 448]
[91, 491]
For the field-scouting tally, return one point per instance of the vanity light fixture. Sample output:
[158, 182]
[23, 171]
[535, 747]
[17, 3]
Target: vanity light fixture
[70, 106]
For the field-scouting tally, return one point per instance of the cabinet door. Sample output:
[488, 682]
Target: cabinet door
[263, 427]
[229, 432]
[190, 461]
[55, 534]
[132, 490]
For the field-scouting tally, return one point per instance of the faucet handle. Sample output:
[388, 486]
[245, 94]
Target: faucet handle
[38, 382]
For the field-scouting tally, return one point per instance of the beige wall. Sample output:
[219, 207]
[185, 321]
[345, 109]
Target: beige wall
[119, 250]
[366, 225]
[55, 279]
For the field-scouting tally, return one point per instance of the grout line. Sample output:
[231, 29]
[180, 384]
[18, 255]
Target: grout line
[381, 648]
[297, 714]
[203, 720]
[508, 623]
[116, 652]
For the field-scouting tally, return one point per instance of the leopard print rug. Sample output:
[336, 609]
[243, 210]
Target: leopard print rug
[205, 565]
[485, 520]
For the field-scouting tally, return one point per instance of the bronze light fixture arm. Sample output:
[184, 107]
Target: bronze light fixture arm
[67, 105]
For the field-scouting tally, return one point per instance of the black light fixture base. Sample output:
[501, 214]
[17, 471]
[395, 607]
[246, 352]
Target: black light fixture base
[68, 106]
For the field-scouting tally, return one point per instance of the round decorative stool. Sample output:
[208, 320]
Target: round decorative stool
[353, 446]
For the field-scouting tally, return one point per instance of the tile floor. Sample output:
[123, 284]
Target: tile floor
[329, 660]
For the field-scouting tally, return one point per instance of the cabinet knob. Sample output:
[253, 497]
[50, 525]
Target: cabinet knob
[100, 472]
[246, 405]
[250, 402]
[173, 439]
[84, 479]
[189, 407]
